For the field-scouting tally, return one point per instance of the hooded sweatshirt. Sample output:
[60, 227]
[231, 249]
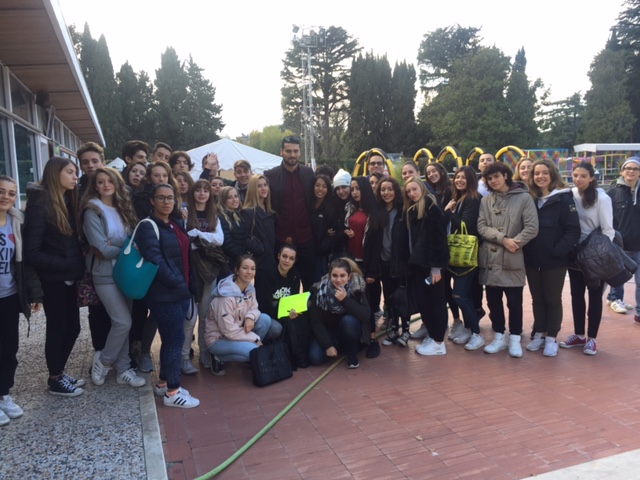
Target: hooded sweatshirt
[229, 308]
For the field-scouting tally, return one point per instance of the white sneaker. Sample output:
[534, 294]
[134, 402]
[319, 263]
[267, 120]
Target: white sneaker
[550, 347]
[537, 343]
[420, 333]
[498, 343]
[424, 343]
[130, 377]
[456, 329]
[431, 348]
[463, 337]
[4, 420]
[515, 348]
[618, 306]
[8, 406]
[475, 342]
[181, 399]
[98, 370]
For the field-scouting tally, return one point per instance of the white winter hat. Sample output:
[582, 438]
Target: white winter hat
[342, 179]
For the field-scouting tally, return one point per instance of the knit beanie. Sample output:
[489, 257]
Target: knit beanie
[342, 179]
[635, 160]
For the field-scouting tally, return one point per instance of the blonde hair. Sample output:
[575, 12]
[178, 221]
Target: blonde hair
[252, 199]
[421, 205]
[230, 216]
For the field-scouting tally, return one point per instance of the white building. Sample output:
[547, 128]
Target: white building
[45, 108]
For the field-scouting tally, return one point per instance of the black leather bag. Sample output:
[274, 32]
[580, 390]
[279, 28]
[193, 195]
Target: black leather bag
[270, 364]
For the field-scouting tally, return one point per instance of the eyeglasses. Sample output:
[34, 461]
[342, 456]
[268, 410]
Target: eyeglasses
[631, 169]
[165, 199]
[374, 164]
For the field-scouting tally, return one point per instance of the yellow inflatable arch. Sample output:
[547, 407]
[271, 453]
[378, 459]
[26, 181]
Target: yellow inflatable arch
[423, 151]
[449, 150]
[475, 152]
[361, 163]
[511, 151]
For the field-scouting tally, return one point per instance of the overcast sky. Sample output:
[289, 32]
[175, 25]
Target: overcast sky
[241, 45]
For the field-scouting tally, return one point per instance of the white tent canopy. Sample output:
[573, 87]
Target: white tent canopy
[230, 152]
[606, 147]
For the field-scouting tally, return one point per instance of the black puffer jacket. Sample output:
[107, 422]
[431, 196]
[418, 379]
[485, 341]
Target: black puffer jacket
[558, 232]
[237, 239]
[55, 256]
[600, 259]
[428, 237]
[322, 219]
[626, 214]
[262, 226]
[170, 284]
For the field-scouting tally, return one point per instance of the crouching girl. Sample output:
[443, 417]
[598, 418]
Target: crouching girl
[339, 314]
[234, 325]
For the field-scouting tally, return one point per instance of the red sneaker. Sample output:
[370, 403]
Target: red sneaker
[573, 341]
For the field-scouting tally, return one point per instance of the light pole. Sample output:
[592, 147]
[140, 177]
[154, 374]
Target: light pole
[308, 41]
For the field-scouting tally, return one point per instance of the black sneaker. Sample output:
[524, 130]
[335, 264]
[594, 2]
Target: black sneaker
[352, 362]
[76, 382]
[404, 339]
[392, 337]
[62, 387]
[217, 367]
[374, 349]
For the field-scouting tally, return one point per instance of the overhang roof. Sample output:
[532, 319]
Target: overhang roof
[607, 147]
[35, 44]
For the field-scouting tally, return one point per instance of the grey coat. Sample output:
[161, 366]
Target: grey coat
[95, 229]
[513, 215]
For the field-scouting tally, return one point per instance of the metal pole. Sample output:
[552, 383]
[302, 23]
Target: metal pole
[311, 118]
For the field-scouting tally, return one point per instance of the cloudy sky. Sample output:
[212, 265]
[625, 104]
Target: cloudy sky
[241, 44]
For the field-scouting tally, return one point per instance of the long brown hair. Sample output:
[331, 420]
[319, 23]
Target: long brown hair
[210, 208]
[51, 183]
[472, 184]
[554, 175]
[121, 198]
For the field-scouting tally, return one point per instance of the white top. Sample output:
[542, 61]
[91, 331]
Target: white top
[600, 215]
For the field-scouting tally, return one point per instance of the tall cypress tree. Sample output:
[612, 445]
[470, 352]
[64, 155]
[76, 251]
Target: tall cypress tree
[171, 94]
[523, 104]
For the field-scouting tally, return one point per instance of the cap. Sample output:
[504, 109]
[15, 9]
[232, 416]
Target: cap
[635, 160]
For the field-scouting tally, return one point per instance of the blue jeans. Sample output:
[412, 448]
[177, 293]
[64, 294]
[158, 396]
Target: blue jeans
[617, 293]
[461, 294]
[345, 338]
[170, 320]
[239, 351]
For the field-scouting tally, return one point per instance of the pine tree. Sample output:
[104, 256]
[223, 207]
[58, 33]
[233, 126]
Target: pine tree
[201, 115]
[523, 104]
[170, 94]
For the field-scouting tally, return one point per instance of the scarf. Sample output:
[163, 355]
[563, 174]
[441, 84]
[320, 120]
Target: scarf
[326, 296]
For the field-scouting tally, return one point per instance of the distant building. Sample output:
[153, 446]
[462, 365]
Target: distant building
[45, 107]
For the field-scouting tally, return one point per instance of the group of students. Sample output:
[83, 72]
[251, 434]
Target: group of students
[220, 259]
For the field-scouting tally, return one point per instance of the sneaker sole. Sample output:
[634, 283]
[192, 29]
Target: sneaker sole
[78, 391]
[564, 345]
[472, 349]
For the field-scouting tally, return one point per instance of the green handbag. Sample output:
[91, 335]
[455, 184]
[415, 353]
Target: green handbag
[463, 251]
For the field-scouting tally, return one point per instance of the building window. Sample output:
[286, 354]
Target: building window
[26, 155]
[3, 102]
[21, 101]
[5, 160]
